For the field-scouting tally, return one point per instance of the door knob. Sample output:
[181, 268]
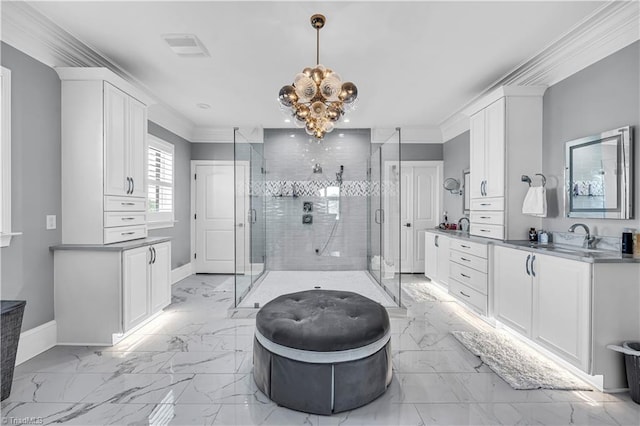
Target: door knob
[408, 225]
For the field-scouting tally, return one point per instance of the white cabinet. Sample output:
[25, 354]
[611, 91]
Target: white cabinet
[436, 258]
[102, 292]
[505, 143]
[487, 128]
[546, 299]
[160, 276]
[468, 273]
[124, 133]
[104, 127]
[561, 307]
[512, 286]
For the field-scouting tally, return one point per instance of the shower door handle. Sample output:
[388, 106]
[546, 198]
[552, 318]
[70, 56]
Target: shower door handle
[254, 216]
[378, 216]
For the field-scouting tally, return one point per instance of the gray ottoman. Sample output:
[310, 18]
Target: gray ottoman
[322, 351]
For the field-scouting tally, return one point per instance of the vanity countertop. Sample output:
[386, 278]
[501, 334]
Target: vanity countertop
[127, 245]
[560, 250]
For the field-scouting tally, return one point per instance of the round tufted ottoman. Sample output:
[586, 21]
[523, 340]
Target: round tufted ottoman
[322, 351]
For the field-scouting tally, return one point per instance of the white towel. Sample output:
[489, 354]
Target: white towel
[535, 202]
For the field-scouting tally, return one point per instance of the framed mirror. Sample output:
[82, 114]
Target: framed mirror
[466, 197]
[599, 175]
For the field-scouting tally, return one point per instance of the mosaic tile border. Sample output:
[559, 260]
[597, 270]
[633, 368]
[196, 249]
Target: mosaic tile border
[314, 188]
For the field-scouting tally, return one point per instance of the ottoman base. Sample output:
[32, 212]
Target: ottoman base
[321, 388]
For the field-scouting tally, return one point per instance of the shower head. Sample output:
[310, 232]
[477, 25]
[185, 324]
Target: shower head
[317, 168]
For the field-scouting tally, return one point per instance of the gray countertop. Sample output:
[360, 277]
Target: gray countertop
[558, 250]
[127, 245]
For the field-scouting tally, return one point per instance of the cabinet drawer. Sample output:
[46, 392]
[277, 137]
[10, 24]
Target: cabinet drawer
[496, 203]
[464, 246]
[469, 260]
[490, 217]
[488, 231]
[112, 219]
[124, 233]
[470, 277]
[469, 296]
[124, 204]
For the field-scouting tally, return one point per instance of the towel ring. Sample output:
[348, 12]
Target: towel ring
[527, 179]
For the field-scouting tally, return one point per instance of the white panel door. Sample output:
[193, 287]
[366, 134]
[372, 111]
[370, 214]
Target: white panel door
[215, 245]
[135, 286]
[477, 153]
[420, 203]
[137, 147]
[116, 137]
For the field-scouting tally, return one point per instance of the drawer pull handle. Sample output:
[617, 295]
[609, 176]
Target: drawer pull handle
[128, 204]
[463, 293]
[465, 259]
[485, 217]
[463, 246]
[485, 230]
[485, 204]
[466, 276]
[127, 233]
[128, 218]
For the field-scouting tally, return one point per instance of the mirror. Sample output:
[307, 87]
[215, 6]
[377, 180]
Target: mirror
[598, 175]
[466, 200]
[452, 185]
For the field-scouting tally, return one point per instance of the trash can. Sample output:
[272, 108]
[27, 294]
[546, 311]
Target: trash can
[10, 324]
[631, 351]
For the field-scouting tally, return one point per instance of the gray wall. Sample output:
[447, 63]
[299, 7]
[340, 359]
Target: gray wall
[27, 264]
[601, 97]
[417, 151]
[456, 159]
[291, 245]
[212, 151]
[181, 231]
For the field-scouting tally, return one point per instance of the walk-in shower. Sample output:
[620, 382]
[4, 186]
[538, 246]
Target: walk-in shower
[329, 207]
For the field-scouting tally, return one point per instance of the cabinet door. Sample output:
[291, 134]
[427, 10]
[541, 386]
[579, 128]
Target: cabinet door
[430, 256]
[137, 147]
[135, 286]
[443, 260]
[561, 305]
[495, 148]
[512, 288]
[116, 136]
[160, 276]
[477, 152]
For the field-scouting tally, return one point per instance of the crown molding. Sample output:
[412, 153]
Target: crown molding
[29, 31]
[420, 135]
[454, 126]
[607, 30]
[171, 120]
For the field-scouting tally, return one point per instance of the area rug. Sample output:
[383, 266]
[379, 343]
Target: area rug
[516, 364]
[421, 291]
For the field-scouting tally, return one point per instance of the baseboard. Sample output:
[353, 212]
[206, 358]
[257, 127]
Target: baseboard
[181, 273]
[37, 340]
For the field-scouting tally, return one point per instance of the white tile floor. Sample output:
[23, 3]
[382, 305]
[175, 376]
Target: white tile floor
[193, 366]
[277, 283]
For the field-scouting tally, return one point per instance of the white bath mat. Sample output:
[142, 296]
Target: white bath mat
[516, 364]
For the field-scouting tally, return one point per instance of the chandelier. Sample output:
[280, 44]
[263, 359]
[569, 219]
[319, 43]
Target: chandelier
[318, 98]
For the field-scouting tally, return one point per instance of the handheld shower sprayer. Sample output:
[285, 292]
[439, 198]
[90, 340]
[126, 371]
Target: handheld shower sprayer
[339, 175]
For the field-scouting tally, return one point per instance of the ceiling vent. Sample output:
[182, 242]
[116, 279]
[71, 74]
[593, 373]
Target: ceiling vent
[187, 45]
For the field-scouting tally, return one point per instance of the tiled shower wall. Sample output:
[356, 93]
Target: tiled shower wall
[290, 155]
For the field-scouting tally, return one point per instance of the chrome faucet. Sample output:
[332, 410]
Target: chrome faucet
[589, 240]
[460, 223]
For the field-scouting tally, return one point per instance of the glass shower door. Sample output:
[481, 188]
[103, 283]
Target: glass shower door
[250, 241]
[384, 216]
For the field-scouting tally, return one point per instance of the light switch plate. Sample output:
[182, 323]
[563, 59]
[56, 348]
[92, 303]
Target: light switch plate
[51, 221]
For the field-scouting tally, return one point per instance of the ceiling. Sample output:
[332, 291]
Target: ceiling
[415, 63]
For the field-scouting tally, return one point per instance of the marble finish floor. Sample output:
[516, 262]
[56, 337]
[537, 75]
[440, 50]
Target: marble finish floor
[193, 366]
[276, 283]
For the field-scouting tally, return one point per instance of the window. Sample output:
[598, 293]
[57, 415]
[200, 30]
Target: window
[160, 183]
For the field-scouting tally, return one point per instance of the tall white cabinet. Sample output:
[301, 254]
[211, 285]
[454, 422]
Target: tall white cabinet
[506, 143]
[104, 127]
